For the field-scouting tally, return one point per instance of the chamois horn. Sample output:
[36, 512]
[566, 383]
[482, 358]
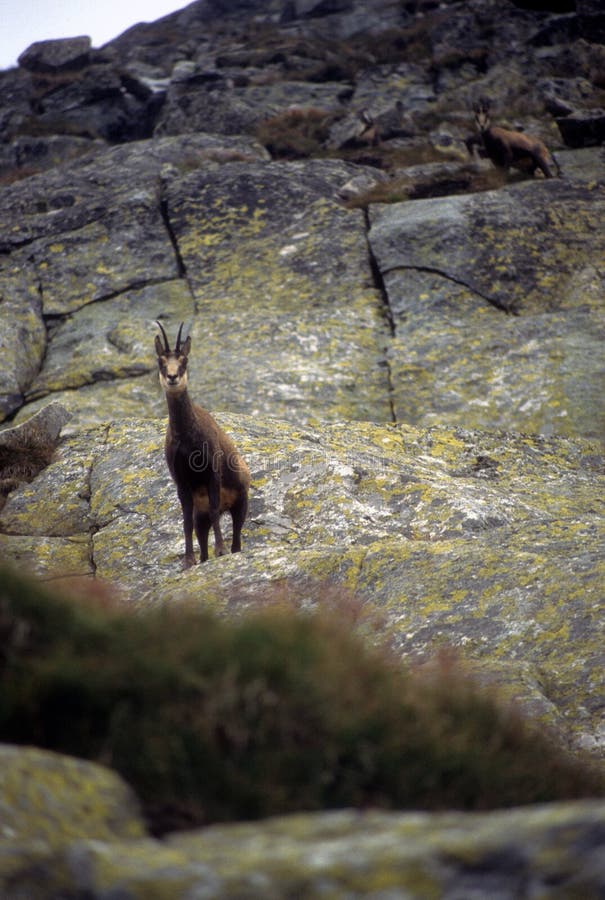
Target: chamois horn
[166, 344]
[178, 338]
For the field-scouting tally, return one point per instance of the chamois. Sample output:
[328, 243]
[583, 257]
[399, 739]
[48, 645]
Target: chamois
[375, 129]
[509, 148]
[210, 475]
[370, 133]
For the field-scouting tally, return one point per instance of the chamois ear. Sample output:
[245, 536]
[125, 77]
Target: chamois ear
[186, 346]
[158, 346]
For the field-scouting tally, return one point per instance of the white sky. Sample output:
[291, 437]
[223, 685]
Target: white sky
[24, 21]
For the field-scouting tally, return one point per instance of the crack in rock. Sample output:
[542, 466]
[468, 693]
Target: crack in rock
[95, 526]
[180, 262]
[387, 312]
[508, 308]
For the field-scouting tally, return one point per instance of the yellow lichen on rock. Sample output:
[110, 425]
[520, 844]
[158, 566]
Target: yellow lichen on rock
[52, 798]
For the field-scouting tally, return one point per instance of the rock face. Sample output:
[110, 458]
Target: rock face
[405, 343]
[51, 799]
[454, 268]
[490, 543]
[384, 312]
[351, 854]
[28, 448]
[56, 56]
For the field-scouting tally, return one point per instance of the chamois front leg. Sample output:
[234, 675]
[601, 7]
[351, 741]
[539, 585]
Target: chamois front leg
[187, 507]
[543, 166]
[472, 142]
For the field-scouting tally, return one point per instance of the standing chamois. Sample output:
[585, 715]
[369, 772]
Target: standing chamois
[210, 476]
[509, 148]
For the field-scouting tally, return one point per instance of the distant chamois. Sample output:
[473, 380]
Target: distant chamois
[509, 148]
[210, 476]
[370, 132]
[374, 129]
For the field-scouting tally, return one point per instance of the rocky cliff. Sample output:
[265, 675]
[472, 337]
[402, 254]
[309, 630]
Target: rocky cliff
[480, 309]
[405, 342]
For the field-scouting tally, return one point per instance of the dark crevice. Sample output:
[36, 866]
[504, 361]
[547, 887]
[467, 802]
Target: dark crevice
[493, 301]
[53, 320]
[104, 377]
[387, 314]
[10, 246]
[95, 527]
[380, 285]
[20, 461]
[47, 336]
[91, 548]
[180, 262]
[112, 295]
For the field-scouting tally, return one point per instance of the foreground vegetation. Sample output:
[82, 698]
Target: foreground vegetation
[215, 720]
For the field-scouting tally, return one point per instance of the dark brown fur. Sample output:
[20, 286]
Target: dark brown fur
[210, 475]
[510, 148]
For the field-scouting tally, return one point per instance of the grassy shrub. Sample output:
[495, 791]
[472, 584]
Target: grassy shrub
[44, 83]
[296, 133]
[49, 125]
[277, 711]
[19, 464]
[320, 58]
[465, 180]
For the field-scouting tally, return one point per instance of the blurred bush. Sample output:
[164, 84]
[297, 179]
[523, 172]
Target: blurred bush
[214, 719]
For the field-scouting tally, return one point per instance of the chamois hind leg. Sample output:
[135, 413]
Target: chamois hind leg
[202, 529]
[238, 515]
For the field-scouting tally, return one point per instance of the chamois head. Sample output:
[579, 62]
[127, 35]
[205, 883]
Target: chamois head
[172, 363]
[482, 114]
